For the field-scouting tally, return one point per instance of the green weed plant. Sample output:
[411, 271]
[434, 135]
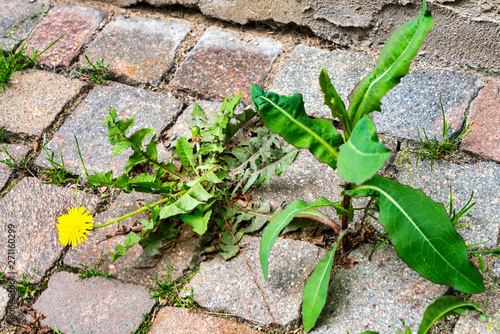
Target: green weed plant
[98, 71]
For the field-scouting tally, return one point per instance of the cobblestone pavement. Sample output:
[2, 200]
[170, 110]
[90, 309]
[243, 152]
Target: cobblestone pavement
[161, 62]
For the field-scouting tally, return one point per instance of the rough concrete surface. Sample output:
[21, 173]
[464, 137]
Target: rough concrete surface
[33, 208]
[137, 50]
[4, 299]
[93, 305]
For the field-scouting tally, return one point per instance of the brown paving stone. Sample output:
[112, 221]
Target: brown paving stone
[33, 99]
[485, 113]
[76, 23]
[12, 12]
[150, 110]
[33, 208]
[134, 267]
[223, 63]
[174, 320]
[137, 50]
[93, 305]
[17, 152]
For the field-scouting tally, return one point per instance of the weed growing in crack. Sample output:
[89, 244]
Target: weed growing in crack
[56, 172]
[25, 288]
[145, 325]
[167, 290]
[93, 271]
[10, 161]
[98, 72]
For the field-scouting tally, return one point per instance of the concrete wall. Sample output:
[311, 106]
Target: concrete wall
[466, 33]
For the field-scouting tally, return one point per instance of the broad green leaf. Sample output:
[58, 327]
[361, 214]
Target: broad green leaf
[393, 64]
[443, 307]
[362, 156]
[369, 332]
[185, 152]
[198, 112]
[316, 289]
[278, 224]
[152, 241]
[197, 220]
[333, 101]
[286, 115]
[422, 233]
[129, 242]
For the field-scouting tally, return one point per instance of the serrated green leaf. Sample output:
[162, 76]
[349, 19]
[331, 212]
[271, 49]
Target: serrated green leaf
[153, 241]
[443, 307]
[278, 224]
[422, 233]
[185, 152]
[198, 112]
[333, 101]
[135, 159]
[316, 289]
[129, 242]
[197, 220]
[286, 116]
[393, 64]
[362, 156]
[139, 136]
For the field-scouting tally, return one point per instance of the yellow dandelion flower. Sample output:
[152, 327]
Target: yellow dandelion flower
[74, 225]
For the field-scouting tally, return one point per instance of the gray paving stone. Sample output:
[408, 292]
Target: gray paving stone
[484, 139]
[93, 305]
[33, 99]
[482, 178]
[134, 267]
[224, 62]
[75, 23]
[17, 152]
[495, 269]
[376, 295]
[228, 286]
[175, 320]
[33, 208]
[4, 299]
[414, 103]
[12, 12]
[472, 324]
[150, 110]
[137, 50]
[301, 75]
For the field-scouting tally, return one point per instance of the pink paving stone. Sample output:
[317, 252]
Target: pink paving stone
[33, 208]
[134, 267]
[224, 62]
[12, 12]
[17, 152]
[76, 23]
[150, 110]
[137, 50]
[174, 320]
[93, 305]
[484, 139]
[33, 99]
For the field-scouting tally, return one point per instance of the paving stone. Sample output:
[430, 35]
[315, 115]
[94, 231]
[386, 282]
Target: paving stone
[174, 320]
[150, 110]
[137, 50]
[485, 136]
[12, 12]
[301, 75]
[308, 180]
[76, 23]
[482, 178]
[495, 269]
[33, 208]
[93, 305]
[376, 295]
[17, 152]
[32, 100]
[224, 62]
[414, 103]
[471, 324]
[4, 299]
[228, 286]
[134, 267]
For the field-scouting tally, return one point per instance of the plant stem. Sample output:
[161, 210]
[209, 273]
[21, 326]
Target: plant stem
[346, 205]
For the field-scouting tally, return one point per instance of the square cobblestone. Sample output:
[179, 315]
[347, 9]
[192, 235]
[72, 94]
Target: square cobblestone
[414, 103]
[150, 110]
[484, 139]
[33, 99]
[93, 305]
[134, 267]
[33, 208]
[301, 75]
[17, 152]
[137, 50]
[75, 23]
[224, 62]
[16, 17]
